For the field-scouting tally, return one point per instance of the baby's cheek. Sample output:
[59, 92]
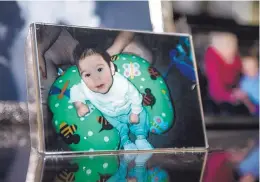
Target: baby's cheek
[89, 83]
[107, 78]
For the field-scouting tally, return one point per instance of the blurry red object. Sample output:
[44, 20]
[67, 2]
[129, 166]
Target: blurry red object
[218, 168]
[221, 76]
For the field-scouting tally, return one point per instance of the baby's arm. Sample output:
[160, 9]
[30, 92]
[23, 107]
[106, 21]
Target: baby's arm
[121, 173]
[136, 100]
[82, 109]
[78, 99]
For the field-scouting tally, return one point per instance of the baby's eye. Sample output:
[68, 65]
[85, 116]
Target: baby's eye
[100, 69]
[87, 75]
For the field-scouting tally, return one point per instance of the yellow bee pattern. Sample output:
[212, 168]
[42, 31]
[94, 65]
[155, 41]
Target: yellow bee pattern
[114, 58]
[67, 132]
[65, 176]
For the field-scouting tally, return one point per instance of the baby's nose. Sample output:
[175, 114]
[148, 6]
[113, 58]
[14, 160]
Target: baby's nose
[97, 79]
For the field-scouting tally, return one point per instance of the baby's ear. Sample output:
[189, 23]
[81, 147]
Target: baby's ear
[112, 68]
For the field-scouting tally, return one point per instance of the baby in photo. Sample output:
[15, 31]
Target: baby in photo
[112, 94]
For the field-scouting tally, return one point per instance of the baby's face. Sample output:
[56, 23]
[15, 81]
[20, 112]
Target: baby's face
[250, 66]
[96, 73]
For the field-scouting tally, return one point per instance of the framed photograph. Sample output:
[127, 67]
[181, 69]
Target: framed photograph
[107, 90]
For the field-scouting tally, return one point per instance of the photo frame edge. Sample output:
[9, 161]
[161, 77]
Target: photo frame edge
[32, 84]
[199, 93]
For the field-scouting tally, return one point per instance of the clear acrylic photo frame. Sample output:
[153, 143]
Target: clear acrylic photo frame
[36, 110]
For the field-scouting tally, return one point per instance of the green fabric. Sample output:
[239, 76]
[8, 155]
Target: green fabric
[101, 168]
[92, 137]
[94, 168]
[161, 113]
[89, 169]
[90, 134]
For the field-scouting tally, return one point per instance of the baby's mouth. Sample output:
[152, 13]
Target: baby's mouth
[100, 86]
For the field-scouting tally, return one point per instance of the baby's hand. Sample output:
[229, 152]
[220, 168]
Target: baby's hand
[82, 110]
[134, 118]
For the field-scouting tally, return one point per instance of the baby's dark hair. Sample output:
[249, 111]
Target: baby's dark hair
[80, 53]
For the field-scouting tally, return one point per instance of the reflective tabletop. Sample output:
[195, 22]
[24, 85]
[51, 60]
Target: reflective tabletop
[219, 164]
[213, 166]
[122, 167]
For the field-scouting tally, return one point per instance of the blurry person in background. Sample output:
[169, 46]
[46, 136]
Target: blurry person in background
[249, 83]
[223, 67]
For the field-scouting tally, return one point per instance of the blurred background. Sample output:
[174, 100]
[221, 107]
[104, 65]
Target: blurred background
[225, 129]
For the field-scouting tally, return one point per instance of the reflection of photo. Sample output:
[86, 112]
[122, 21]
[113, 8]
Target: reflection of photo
[117, 90]
[125, 167]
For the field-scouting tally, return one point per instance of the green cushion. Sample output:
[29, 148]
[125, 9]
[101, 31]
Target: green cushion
[102, 168]
[90, 132]
[89, 169]
[150, 83]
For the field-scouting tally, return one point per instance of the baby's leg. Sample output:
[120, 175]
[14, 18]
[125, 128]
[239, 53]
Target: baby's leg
[140, 130]
[121, 173]
[123, 130]
[140, 172]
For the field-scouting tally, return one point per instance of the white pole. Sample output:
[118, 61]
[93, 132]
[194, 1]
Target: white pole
[156, 16]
